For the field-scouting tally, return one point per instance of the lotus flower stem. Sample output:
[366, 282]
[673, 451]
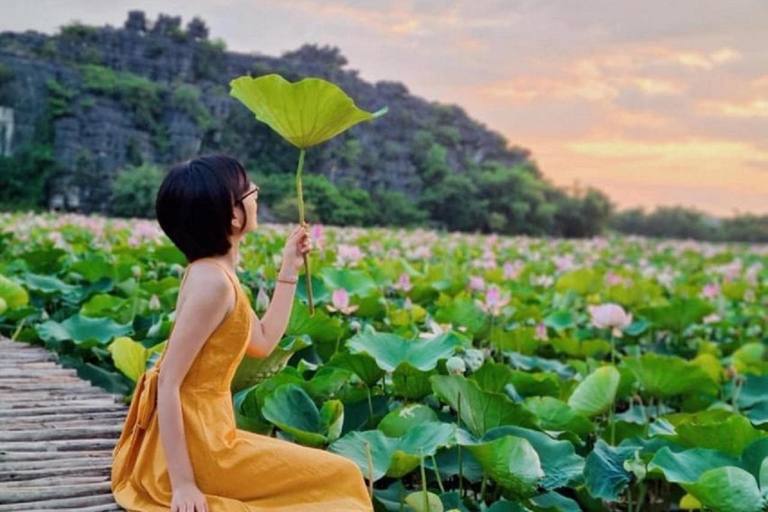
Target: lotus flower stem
[461, 467]
[300, 193]
[437, 475]
[370, 468]
[423, 478]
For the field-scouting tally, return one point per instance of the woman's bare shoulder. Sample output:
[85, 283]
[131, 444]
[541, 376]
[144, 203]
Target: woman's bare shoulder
[208, 281]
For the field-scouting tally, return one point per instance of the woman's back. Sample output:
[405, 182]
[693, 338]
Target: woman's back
[235, 469]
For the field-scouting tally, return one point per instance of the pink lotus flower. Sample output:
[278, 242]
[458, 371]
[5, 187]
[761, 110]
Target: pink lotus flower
[610, 316]
[710, 291]
[493, 300]
[403, 283]
[613, 279]
[348, 254]
[512, 270]
[154, 303]
[476, 283]
[340, 300]
[541, 332]
[317, 236]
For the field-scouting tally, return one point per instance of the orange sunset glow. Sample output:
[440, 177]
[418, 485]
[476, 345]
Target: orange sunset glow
[655, 103]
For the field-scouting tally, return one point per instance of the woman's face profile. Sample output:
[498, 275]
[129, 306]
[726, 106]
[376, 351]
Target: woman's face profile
[250, 203]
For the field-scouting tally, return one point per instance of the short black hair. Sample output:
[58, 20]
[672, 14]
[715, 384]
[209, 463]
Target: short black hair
[195, 203]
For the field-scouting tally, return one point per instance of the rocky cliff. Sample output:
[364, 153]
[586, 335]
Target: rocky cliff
[110, 98]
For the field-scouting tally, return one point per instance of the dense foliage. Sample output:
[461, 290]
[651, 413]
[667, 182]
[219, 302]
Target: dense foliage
[501, 374]
[679, 222]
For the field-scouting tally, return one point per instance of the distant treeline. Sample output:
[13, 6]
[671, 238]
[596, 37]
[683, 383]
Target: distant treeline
[680, 222]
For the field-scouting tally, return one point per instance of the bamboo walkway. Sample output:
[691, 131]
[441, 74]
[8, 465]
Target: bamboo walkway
[57, 433]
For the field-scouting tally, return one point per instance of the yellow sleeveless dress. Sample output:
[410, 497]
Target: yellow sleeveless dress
[237, 470]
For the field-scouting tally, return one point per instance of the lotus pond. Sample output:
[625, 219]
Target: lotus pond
[459, 372]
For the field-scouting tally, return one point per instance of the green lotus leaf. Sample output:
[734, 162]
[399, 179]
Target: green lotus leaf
[83, 331]
[362, 365]
[727, 489]
[424, 501]
[679, 314]
[395, 457]
[561, 466]
[130, 357]
[292, 410]
[595, 394]
[604, 472]
[554, 414]
[3, 305]
[14, 295]
[390, 350]
[93, 268]
[253, 370]
[509, 460]
[304, 113]
[398, 422]
[49, 284]
[716, 429]
[583, 281]
[480, 410]
[664, 376]
[410, 382]
[688, 465]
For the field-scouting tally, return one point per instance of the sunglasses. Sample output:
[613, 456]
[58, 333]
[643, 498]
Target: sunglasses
[254, 190]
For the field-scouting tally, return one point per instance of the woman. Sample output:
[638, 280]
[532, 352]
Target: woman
[180, 447]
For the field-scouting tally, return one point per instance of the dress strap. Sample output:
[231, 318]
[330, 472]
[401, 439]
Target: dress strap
[183, 279]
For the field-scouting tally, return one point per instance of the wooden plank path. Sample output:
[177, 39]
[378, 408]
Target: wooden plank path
[57, 433]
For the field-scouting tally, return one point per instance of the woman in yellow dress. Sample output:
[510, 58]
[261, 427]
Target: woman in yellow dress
[180, 448]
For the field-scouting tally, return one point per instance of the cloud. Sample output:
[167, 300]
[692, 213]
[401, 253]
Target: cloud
[754, 108]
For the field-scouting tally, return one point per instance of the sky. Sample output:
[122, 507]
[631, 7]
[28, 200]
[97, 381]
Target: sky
[653, 102]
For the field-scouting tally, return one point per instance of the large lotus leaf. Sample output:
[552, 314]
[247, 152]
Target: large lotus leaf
[751, 358]
[45, 260]
[253, 370]
[294, 412]
[640, 292]
[583, 281]
[555, 502]
[679, 314]
[509, 460]
[604, 472]
[355, 282]
[561, 466]
[394, 457]
[595, 394]
[664, 376]
[94, 268]
[398, 422]
[462, 312]
[327, 382]
[518, 339]
[362, 365]
[304, 113]
[424, 501]
[717, 429]
[390, 350]
[83, 331]
[727, 489]
[480, 410]
[105, 305]
[411, 383]
[130, 357]
[580, 348]
[3, 306]
[14, 294]
[492, 377]
[536, 384]
[554, 414]
[560, 320]
[323, 330]
[49, 284]
[688, 465]
[754, 458]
